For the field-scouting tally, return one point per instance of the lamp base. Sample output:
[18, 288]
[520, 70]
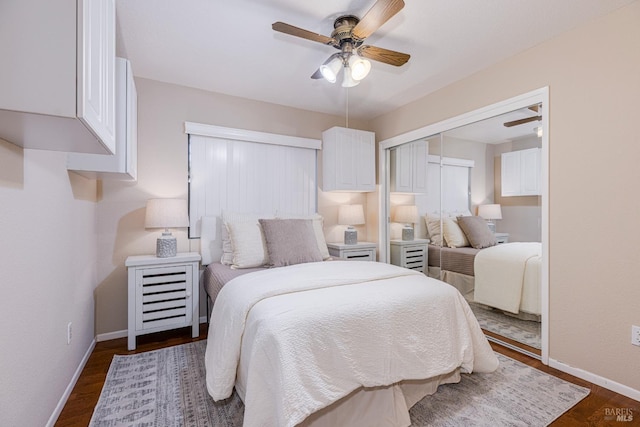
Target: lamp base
[407, 233]
[166, 246]
[350, 236]
[492, 226]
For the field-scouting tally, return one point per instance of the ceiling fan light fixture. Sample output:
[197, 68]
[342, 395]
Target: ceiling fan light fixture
[359, 66]
[347, 79]
[330, 69]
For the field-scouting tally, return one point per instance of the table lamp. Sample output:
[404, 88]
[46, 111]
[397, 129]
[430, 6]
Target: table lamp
[350, 215]
[408, 214]
[490, 213]
[166, 213]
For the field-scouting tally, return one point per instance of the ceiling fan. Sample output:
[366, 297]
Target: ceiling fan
[534, 108]
[348, 36]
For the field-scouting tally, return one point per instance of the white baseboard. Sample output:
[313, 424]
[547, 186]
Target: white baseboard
[67, 392]
[112, 335]
[596, 379]
[124, 333]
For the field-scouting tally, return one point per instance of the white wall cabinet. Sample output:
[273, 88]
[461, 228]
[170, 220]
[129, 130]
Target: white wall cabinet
[348, 160]
[58, 80]
[409, 168]
[122, 164]
[520, 175]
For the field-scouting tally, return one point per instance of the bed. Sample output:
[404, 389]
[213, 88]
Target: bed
[504, 276]
[334, 342]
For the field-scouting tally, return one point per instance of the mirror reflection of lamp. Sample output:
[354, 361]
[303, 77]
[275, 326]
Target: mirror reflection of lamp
[407, 214]
[350, 215]
[166, 213]
[490, 213]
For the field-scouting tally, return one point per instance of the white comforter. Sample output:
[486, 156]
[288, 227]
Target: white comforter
[503, 271]
[304, 336]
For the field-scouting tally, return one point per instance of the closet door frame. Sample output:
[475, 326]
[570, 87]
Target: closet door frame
[538, 96]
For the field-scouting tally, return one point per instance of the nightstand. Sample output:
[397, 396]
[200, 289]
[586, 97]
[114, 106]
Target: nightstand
[163, 294]
[361, 251]
[502, 237]
[410, 254]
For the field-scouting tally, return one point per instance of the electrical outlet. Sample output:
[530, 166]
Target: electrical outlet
[69, 333]
[635, 335]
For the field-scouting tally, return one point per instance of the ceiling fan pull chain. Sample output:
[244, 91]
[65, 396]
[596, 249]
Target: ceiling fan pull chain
[347, 113]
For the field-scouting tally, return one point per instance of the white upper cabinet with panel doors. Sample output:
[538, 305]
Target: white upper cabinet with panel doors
[520, 174]
[123, 164]
[58, 75]
[409, 168]
[348, 160]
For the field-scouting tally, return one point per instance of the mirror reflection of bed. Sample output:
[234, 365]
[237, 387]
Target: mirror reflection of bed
[493, 167]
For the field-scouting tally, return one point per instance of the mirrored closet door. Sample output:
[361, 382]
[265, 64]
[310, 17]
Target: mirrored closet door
[471, 198]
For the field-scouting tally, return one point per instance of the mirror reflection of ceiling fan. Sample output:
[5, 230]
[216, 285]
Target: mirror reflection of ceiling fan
[534, 108]
[348, 37]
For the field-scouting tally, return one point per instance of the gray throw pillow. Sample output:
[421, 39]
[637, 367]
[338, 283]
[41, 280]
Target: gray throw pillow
[290, 241]
[477, 231]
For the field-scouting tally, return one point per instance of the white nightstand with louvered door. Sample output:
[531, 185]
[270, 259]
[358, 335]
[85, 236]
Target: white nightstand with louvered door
[410, 254]
[163, 294]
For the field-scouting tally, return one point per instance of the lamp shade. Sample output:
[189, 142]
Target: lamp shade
[490, 211]
[166, 213]
[331, 68]
[359, 67]
[406, 213]
[350, 215]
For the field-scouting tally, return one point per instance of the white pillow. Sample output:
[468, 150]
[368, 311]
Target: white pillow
[231, 216]
[433, 227]
[453, 234]
[318, 222]
[247, 241]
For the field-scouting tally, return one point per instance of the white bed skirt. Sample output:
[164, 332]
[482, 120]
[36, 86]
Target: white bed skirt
[378, 406]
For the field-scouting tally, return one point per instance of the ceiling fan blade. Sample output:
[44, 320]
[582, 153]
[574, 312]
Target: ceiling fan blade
[299, 32]
[379, 13]
[383, 55]
[317, 75]
[522, 121]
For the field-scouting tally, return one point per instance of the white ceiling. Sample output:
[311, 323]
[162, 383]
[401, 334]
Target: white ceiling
[228, 46]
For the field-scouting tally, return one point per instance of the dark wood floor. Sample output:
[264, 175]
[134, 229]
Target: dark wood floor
[594, 410]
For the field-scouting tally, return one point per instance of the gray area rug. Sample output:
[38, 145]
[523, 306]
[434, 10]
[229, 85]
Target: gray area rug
[167, 388]
[523, 331]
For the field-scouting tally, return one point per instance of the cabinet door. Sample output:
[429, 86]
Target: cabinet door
[402, 169]
[96, 69]
[163, 296]
[420, 159]
[530, 172]
[348, 160]
[510, 175]
[364, 160]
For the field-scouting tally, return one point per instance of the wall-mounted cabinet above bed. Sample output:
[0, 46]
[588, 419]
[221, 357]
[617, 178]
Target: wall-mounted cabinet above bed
[57, 80]
[348, 160]
[521, 173]
[122, 164]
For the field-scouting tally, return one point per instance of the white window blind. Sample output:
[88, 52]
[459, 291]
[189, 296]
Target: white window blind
[246, 176]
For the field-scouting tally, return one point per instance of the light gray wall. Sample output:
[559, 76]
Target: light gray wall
[47, 275]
